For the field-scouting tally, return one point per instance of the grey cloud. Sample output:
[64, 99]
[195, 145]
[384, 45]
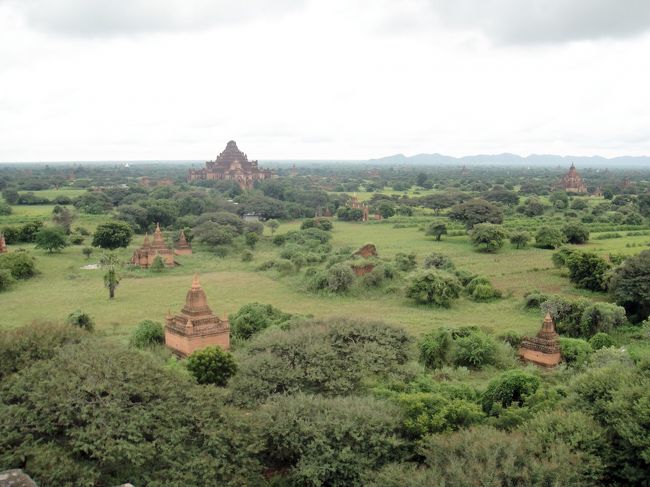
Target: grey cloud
[90, 18]
[546, 21]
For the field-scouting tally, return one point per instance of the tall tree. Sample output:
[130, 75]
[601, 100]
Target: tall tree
[111, 278]
[51, 239]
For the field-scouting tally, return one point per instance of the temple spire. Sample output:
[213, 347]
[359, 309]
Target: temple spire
[196, 284]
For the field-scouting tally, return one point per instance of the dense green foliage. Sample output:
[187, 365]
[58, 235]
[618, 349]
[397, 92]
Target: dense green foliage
[81, 319]
[211, 365]
[433, 287]
[255, 317]
[112, 235]
[52, 239]
[111, 416]
[588, 270]
[316, 357]
[487, 237]
[146, 334]
[549, 237]
[630, 286]
[329, 441]
[330, 401]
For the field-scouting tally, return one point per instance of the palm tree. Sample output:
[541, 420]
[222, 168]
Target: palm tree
[111, 278]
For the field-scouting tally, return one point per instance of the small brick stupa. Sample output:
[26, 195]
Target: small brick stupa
[3, 244]
[196, 326]
[544, 349]
[183, 247]
[145, 255]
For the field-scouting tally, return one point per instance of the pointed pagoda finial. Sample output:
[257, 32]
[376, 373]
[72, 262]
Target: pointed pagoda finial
[548, 325]
[195, 282]
[146, 238]
[157, 227]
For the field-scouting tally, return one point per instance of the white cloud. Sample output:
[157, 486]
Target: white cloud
[96, 18]
[332, 79]
[547, 21]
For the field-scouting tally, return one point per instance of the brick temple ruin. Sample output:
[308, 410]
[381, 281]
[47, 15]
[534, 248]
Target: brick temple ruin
[572, 182]
[182, 247]
[231, 165]
[543, 349]
[357, 205]
[3, 244]
[145, 255]
[196, 326]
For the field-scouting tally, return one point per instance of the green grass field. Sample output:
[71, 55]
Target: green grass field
[53, 193]
[64, 286]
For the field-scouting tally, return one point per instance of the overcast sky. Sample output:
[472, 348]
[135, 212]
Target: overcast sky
[322, 79]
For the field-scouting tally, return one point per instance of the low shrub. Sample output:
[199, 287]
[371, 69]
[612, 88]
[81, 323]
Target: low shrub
[474, 350]
[81, 319]
[601, 340]
[435, 348]
[511, 387]
[255, 317]
[511, 337]
[211, 365]
[146, 334]
[339, 278]
[575, 351]
[437, 260]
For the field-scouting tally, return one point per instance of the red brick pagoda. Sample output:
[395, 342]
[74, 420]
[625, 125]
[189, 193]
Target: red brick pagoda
[544, 349]
[572, 182]
[183, 247]
[145, 255]
[231, 165]
[196, 327]
[3, 244]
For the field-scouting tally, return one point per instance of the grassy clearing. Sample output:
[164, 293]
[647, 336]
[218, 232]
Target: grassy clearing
[53, 193]
[63, 286]
[24, 213]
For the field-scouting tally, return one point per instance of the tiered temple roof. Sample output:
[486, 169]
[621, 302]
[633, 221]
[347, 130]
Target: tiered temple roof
[232, 164]
[543, 349]
[196, 326]
[145, 255]
[572, 182]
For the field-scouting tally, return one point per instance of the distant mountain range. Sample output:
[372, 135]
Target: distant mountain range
[507, 159]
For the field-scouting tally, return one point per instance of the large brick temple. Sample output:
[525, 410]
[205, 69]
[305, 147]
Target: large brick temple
[196, 326]
[572, 182]
[231, 165]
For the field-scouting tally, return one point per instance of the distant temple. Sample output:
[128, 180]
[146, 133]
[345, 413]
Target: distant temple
[365, 210]
[572, 182]
[195, 327]
[231, 165]
[183, 247]
[357, 205]
[544, 349]
[145, 255]
[3, 244]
